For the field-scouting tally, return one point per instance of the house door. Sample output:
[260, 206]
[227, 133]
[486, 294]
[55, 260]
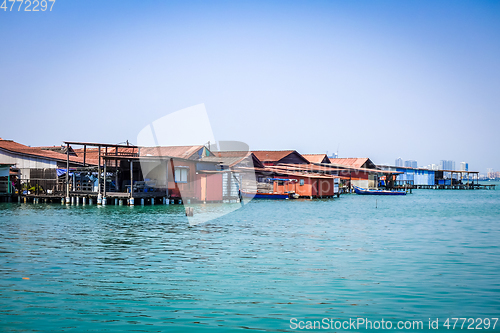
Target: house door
[203, 186]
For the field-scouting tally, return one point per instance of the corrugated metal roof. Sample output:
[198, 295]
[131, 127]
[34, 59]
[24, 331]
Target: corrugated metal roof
[19, 148]
[183, 152]
[236, 153]
[173, 151]
[353, 162]
[96, 144]
[331, 167]
[271, 155]
[232, 158]
[228, 161]
[316, 158]
[286, 171]
[298, 173]
[92, 154]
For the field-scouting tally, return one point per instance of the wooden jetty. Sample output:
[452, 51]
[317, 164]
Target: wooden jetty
[474, 186]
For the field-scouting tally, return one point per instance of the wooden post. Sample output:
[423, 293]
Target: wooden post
[333, 187]
[104, 176]
[117, 187]
[84, 154]
[350, 181]
[99, 172]
[131, 178]
[166, 182]
[229, 178]
[67, 171]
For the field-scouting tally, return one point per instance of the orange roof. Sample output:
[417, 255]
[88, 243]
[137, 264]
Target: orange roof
[316, 158]
[284, 171]
[172, 151]
[272, 155]
[353, 162]
[330, 168]
[18, 148]
[92, 153]
[287, 171]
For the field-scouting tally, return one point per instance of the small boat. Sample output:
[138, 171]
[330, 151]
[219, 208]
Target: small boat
[360, 190]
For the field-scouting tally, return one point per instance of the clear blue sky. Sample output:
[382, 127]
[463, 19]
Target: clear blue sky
[382, 79]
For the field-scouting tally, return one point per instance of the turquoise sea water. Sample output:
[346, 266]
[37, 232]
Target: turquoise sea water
[432, 254]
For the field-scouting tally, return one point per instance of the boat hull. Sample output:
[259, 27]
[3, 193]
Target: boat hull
[364, 191]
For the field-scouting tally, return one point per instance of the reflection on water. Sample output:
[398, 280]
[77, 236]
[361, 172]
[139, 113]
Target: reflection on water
[429, 254]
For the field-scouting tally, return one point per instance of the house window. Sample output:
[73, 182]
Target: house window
[301, 182]
[181, 175]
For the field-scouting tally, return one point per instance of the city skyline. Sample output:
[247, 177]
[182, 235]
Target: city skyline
[443, 165]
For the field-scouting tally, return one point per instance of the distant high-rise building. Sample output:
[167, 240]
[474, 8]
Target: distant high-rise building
[491, 174]
[411, 164]
[446, 165]
[399, 162]
[464, 166]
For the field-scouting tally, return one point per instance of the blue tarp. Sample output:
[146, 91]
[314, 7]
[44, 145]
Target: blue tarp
[282, 179]
[61, 172]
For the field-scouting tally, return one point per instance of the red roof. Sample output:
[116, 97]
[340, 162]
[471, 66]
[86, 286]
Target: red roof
[316, 158]
[284, 171]
[272, 155]
[18, 148]
[352, 162]
[92, 153]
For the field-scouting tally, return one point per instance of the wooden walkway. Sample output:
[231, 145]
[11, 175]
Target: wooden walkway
[448, 187]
